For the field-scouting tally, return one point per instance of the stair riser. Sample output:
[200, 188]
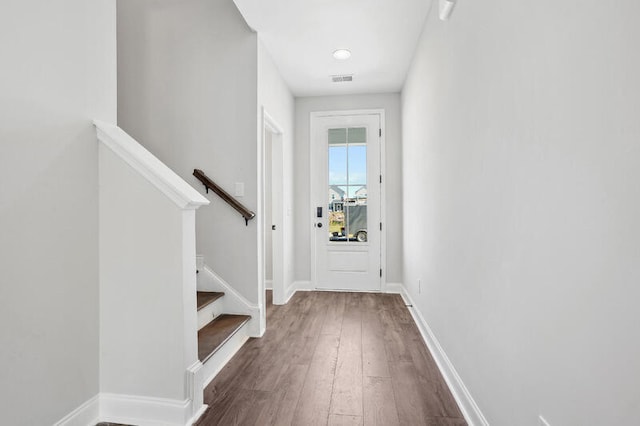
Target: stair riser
[223, 355]
[209, 312]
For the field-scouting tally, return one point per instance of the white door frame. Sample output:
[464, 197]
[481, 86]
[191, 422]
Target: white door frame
[312, 207]
[269, 125]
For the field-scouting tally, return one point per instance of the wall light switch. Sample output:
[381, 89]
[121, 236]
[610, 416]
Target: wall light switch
[239, 189]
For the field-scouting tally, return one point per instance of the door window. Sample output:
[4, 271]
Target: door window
[347, 186]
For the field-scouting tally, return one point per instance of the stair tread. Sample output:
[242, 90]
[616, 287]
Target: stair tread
[207, 297]
[213, 335]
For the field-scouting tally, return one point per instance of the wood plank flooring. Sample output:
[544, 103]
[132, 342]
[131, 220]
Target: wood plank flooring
[333, 359]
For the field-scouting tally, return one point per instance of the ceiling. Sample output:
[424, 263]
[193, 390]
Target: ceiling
[301, 36]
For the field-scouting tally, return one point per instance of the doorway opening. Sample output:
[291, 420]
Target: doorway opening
[272, 221]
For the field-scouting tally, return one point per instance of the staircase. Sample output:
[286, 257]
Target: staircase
[219, 335]
[134, 186]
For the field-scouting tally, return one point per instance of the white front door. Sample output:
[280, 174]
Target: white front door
[346, 197]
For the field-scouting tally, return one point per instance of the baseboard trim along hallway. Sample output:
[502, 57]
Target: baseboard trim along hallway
[467, 404]
[133, 410]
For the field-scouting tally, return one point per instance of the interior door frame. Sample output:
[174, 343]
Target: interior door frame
[313, 116]
[269, 125]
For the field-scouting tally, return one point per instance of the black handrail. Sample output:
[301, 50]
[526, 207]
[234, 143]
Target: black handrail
[209, 184]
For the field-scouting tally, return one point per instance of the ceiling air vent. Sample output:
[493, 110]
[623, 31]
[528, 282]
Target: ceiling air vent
[341, 78]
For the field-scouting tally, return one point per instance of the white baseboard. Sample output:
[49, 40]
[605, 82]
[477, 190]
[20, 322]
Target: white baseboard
[268, 284]
[136, 410]
[468, 406]
[232, 302]
[394, 288]
[303, 286]
[295, 287]
[86, 414]
[290, 291]
[144, 411]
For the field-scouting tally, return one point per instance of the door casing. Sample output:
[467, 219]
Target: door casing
[312, 205]
[269, 125]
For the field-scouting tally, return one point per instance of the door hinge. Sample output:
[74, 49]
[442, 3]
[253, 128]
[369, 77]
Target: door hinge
[380, 178]
[381, 226]
[380, 132]
[380, 272]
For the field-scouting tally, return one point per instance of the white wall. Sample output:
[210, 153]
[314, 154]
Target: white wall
[146, 245]
[187, 90]
[276, 99]
[521, 155]
[58, 73]
[392, 181]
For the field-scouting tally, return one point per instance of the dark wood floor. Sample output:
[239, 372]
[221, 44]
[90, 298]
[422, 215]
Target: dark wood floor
[333, 359]
[217, 332]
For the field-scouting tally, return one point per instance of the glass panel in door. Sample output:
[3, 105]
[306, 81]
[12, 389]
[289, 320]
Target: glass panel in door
[347, 186]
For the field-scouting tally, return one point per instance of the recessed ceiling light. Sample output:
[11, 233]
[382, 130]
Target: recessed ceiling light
[342, 54]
